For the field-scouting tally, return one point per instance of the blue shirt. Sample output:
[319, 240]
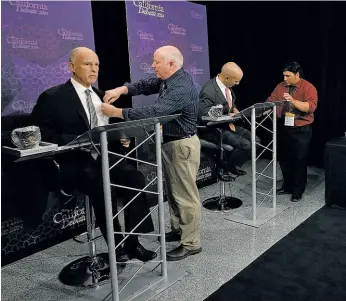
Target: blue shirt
[177, 94]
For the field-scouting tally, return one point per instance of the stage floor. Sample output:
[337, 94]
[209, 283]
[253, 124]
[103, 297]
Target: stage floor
[228, 247]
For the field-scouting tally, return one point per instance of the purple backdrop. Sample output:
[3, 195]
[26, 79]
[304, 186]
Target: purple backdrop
[36, 38]
[152, 24]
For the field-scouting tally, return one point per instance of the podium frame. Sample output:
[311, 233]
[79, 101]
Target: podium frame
[155, 283]
[258, 215]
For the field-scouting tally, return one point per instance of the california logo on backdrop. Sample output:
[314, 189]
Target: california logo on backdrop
[22, 43]
[196, 15]
[146, 8]
[145, 36]
[23, 107]
[30, 7]
[176, 30]
[147, 68]
[70, 35]
[69, 217]
[196, 48]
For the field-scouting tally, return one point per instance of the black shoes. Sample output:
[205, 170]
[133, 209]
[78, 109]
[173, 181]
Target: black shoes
[238, 172]
[136, 251]
[181, 252]
[172, 236]
[141, 253]
[296, 197]
[121, 255]
[282, 191]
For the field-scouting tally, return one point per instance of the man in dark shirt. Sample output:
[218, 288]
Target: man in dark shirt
[294, 128]
[181, 146]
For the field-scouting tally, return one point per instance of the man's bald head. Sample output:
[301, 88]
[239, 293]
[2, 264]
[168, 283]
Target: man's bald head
[80, 51]
[167, 60]
[231, 74]
[84, 65]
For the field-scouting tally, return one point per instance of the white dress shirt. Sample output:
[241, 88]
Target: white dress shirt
[223, 89]
[80, 89]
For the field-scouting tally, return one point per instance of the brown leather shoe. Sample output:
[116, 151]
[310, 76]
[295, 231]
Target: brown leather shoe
[181, 252]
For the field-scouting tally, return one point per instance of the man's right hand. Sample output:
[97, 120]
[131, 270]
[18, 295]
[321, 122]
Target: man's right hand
[113, 95]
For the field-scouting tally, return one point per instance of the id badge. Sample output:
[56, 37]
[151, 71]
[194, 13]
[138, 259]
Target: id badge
[289, 119]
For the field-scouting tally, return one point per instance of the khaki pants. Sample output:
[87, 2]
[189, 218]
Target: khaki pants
[181, 160]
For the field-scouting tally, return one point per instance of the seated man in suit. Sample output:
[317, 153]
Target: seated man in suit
[66, 111]
[218, 91]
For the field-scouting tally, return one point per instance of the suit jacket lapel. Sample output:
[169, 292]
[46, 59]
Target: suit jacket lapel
[219, 92]
[233, 97]
[99, 93]
[76, 102]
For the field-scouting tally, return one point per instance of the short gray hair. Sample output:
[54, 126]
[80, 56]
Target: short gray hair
[175, 57]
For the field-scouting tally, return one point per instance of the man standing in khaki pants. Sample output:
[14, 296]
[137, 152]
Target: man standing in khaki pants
[181, 147]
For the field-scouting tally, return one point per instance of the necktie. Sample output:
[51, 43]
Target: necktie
[91, 108]
[229, 100]
[291, 90]
[162, 88]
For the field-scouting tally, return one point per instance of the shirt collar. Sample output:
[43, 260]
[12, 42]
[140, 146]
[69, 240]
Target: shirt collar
[79, 87]
[174, 76]
[221, 85]
[297, 85]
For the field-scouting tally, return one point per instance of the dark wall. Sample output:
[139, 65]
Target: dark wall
[260, 37]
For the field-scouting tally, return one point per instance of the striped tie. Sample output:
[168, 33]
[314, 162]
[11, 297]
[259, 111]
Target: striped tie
[92, 111]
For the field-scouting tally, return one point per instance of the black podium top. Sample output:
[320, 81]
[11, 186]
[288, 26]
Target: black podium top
[127, 129]
[115, 131]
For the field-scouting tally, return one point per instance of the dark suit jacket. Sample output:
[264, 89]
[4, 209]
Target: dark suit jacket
[60, 114]
[211, 95]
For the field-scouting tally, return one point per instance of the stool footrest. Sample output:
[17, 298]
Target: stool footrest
[88, 271]
[222, 203]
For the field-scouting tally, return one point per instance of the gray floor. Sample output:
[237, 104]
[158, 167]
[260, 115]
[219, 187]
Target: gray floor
[228, 247]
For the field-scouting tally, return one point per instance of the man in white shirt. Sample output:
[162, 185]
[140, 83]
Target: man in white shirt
[218, 91]
[66, 111]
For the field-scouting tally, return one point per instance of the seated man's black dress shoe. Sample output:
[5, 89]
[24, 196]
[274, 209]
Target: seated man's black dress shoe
[121, 255]
[180, 253]
[139, 252]
[238, 172]
[296, 197]
[172, 236]
[282, 191]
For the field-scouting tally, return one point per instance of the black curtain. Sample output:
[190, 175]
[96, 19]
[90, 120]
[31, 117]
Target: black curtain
[260, 37]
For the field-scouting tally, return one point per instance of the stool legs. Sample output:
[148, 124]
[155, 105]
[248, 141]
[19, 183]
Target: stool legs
[93, 269]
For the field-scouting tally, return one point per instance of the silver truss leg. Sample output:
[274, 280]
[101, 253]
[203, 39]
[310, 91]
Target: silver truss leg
[160, 191]
[274, 157]
[253, 160]
[109, 215]
[260, 214]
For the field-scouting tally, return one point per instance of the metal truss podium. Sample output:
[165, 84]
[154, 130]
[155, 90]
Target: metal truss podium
[258, 214]
[148, 279]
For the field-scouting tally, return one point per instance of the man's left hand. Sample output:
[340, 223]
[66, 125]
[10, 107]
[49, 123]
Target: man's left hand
[288, 97]
[111, 111]
[125, 142]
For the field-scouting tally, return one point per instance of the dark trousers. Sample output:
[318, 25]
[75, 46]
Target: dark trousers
[84, 173]
[293, 149]
[240, 140]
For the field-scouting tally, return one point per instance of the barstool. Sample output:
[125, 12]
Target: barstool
[92, 270]
[221, 202]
